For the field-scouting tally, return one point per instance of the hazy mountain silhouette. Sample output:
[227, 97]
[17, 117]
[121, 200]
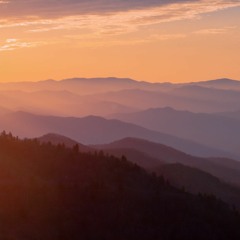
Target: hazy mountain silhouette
[192, 98]
[226, 169]
[49, 102]
[104, 96]
[96, 85]
[209, 94]
[95, 130]
[210, 129]
[222, 83]
[196, 181]
[85, 85]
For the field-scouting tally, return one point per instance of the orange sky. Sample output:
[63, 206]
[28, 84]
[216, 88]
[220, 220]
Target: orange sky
[156, 41]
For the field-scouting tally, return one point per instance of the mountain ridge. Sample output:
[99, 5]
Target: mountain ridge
[96, 130]
[223, 168]
[212, 129]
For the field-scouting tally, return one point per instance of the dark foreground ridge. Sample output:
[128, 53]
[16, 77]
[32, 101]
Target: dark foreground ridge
[51, 192]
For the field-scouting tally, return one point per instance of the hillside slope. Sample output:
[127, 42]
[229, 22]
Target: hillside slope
[196, 181]
[223, 168]
[50, 193]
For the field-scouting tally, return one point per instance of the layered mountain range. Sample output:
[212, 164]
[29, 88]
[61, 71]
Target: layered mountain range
[185, 137]
[198, 118]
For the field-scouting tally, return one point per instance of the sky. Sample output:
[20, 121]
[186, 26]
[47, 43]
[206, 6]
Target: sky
[150, 40]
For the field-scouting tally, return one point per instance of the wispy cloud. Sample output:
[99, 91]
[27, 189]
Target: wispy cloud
[213, 31]
[117, 22]
[167, 36]
[11, 40]
[13, 44]
[53, 8]
[100, 22]
[58, 8]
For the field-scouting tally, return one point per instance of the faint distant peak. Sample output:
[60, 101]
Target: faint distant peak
[224, 80]
[142, 143]
[133, 140]
[93, 118]
[219, 81]
[55, 136]
[167, 110]
[164, 109]
[100, 80]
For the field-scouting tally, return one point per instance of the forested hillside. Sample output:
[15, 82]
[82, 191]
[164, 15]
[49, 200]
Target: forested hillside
[52, 192]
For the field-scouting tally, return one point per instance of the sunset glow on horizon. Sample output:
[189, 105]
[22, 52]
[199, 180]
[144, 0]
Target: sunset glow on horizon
[155, 40]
